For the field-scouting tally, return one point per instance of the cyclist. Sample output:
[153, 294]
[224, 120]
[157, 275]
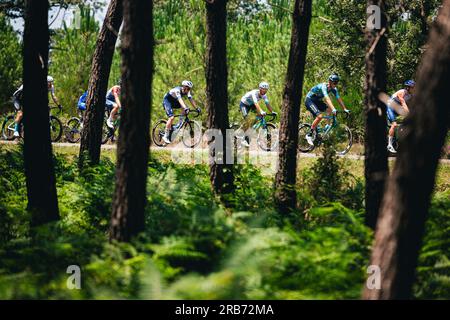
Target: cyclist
[250, 102]
[113, 103]
[315, 104]
[18, 101]
[174, 100]
[398, 101]
[81, 105]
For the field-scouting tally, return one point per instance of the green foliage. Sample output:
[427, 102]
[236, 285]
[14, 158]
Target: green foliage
[192, 247]
[10, 63]
[71, 57]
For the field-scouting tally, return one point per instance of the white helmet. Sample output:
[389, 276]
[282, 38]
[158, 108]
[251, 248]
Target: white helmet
[50, 79]
[264, 85]
[187, 83]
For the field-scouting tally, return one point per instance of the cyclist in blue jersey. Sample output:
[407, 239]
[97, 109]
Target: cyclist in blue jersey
[398, 102]
[315, 104]
[174, 100]
[18, 101]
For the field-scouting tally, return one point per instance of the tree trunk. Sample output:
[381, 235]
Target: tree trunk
[407, 198]
[134, 139]
[221, 173]
[91, 136]
[285, 179]
[39, 168]
[376, 164]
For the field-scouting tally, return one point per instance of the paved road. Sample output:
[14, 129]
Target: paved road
[201, 150]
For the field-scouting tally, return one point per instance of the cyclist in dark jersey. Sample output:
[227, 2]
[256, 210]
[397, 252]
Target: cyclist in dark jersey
[174, 100]
[18, 101]
[315, 104]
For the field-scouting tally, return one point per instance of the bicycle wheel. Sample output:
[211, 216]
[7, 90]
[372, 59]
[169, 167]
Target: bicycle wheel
[342, 138]
[73, 133]
[8, 128]
[303, 145]
[158, 132]
[268, 137]
[191, 134]
[56, 129]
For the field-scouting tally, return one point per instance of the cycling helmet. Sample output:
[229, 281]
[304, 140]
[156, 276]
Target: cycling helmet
[410, 83]
[50, 79]
[264, 85]
[187, 83]
[334, 78]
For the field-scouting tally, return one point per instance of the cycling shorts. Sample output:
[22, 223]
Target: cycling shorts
[169, 105]
[391, 114]
[316, 107]
[245, 109]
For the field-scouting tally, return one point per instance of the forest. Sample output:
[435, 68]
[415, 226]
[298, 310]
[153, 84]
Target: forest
[119, 214]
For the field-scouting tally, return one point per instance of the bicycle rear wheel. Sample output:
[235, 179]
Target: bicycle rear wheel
[158, 132]
[56, 129]
[268, 137]
[303, 145]
[73, 133]
[342, 138]
[8, 128]
[191, 134]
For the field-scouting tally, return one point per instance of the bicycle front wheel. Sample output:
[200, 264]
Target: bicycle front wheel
[8, 128]
[191, 134]
[74, 130]
[342, 138]
[158, 132]
[303, 145]
[56, 129]
[268, 137]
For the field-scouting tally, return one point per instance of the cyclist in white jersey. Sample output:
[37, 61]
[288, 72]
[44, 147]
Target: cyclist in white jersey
[250, 102]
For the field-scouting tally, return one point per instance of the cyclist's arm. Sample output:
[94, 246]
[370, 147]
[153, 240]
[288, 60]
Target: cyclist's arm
[55, 99]
[193, 103]
[269, 107]
[401, 98]
[342, 104]
[116, 97]
[183, 105]
[329, 103]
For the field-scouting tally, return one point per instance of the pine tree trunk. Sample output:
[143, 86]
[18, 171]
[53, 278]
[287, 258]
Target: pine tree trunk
[407, 197]
[376, 164]
[39, 167]
[285, 180]
[91, 136]
[221, 173]
[134, 139]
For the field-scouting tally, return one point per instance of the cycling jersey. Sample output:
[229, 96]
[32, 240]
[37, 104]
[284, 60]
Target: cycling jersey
[176, 93]
[401, 96]
[18, 96]
[321, 91]
[170, 100]
[110, 95]
[252, 98]
[82, 101]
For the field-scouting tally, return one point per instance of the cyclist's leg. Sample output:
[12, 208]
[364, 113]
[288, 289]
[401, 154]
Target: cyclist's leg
[19, 116]
[316, 108]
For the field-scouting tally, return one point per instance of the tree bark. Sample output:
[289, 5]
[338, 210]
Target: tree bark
[221, 173]
[407, 198]
[285, 179]
[134, 139]
[39, 167]
[91, 135]
[375, 164]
